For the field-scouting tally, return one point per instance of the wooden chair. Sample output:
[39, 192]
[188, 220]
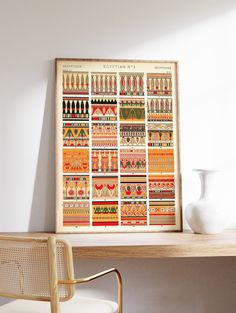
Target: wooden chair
[41, 270]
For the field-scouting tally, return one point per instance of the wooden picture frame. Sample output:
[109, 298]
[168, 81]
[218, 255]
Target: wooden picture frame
[117, 146]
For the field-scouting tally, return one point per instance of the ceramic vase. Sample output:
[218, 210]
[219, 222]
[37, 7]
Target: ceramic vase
[205, 216]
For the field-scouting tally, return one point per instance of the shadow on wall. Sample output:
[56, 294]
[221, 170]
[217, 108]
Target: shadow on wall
[42, 216]
[113, 27]
[116, 26]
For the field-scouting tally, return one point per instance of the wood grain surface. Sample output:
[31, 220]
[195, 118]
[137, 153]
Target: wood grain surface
[146, 245]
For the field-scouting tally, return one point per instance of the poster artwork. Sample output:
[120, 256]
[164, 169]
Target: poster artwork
[117, 147]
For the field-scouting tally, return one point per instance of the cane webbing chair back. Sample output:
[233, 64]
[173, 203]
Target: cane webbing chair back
[25, 270]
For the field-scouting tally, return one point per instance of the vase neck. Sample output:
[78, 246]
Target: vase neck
[204, 192]
[207, 186]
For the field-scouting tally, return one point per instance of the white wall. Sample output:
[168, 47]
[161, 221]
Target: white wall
[198, 33]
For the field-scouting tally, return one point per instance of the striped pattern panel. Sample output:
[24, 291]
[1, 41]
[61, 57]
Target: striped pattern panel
[76, 213]
[161, 160]
[161, 187]
[104, 135]
[162, 212]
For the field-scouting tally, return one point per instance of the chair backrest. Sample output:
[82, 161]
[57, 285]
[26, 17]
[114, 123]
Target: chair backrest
[25, 270]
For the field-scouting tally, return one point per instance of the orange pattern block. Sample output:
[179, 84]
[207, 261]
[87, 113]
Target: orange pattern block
[76, 161]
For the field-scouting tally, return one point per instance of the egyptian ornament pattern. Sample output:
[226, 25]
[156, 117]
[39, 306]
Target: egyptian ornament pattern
[104, 161]
[75, 83]
[161, 160]
[76, 213]
[104, 109]
[105, 188]
[75, 187]
[159, 109]
[161, 187]
[76, 161]
[133, 161]
[104, 84]
[75, 134]
[132, 134]
[131, 84]
[105, 213]
[133, 213]
[132, 110]
[162, 212]
[133, 187]
[159, 84]
[160, 134]
[104, 135]
[75, 109]
[117, 137]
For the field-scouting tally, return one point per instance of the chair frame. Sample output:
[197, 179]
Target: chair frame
[53, 279]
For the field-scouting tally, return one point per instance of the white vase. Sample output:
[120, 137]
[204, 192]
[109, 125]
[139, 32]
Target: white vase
[206, 216]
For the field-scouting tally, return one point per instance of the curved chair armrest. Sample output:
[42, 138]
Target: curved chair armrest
[95, 276]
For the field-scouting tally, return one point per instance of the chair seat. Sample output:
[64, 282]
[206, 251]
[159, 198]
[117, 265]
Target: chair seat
[75, 305]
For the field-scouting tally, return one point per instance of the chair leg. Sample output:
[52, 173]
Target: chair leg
[55, 306]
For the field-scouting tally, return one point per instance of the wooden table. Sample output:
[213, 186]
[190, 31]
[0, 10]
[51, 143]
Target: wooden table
[147, 245]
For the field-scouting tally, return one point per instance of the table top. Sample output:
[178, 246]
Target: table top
[146, 245]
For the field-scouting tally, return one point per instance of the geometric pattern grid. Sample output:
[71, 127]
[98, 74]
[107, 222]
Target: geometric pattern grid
[118, 147]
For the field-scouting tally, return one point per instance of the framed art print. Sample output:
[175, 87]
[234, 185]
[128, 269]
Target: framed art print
[117, 146]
